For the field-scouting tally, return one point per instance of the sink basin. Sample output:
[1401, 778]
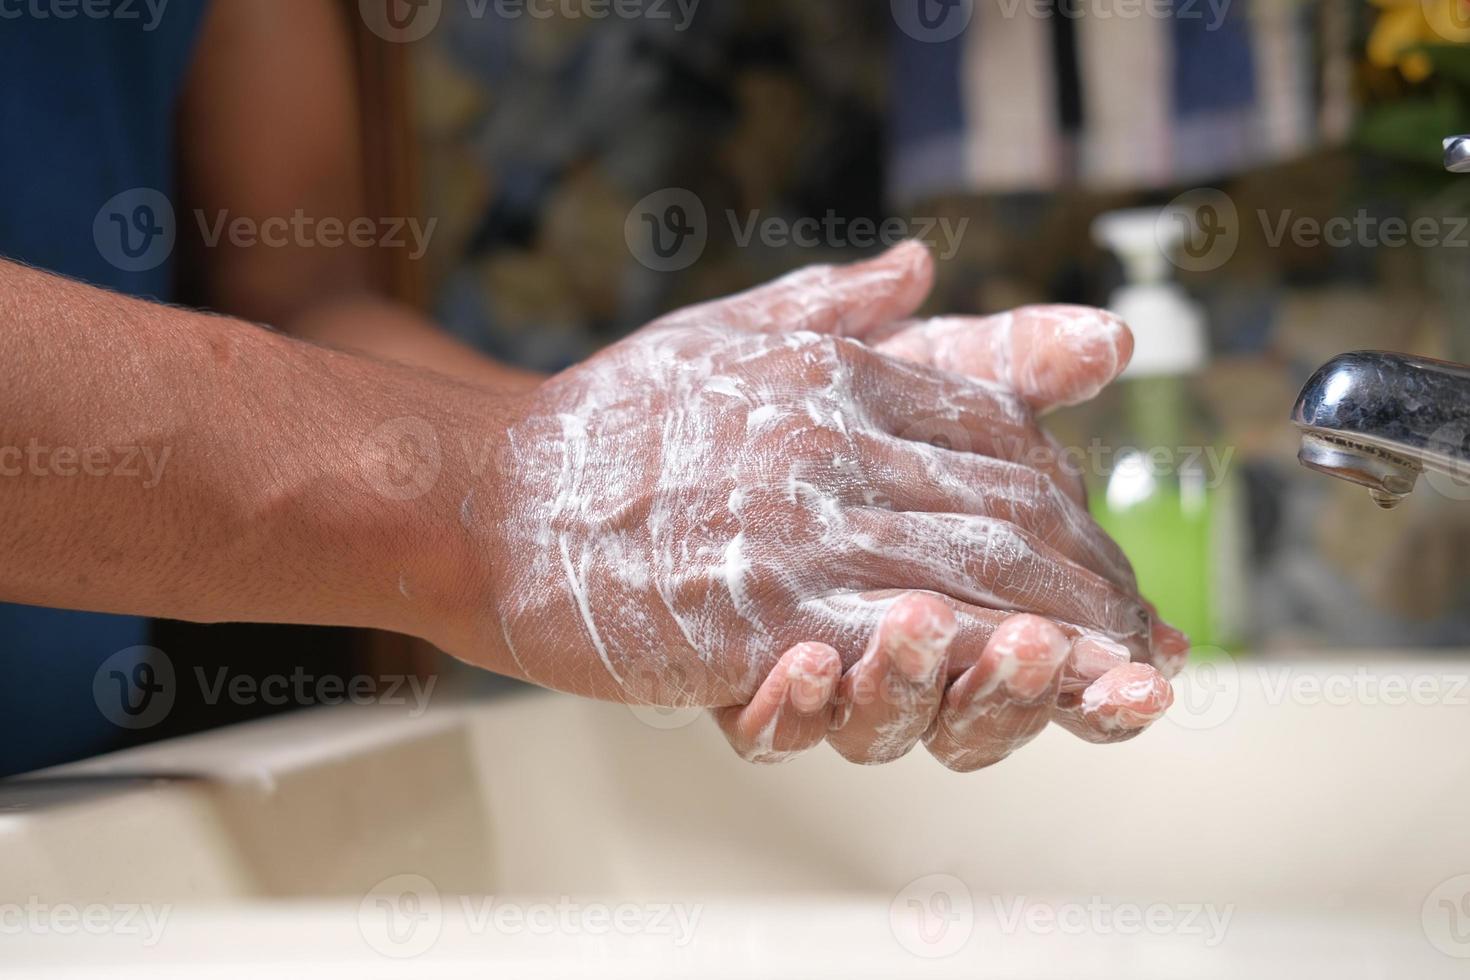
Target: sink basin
[1293, 818]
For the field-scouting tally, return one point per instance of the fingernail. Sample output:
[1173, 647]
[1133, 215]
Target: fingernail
[1097, 345]
[917, 632]
[1131, 697]
[1093, 656]
[910, 254]
[1031, 650]
[810, 686]
[1142, 702]
[918, 658]
[1099, 339]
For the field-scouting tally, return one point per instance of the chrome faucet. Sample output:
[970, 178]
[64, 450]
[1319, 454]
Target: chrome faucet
[1457, 154]
[1381, 419]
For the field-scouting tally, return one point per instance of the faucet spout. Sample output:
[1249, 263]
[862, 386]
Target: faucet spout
[1457, 154]
[1381, 419]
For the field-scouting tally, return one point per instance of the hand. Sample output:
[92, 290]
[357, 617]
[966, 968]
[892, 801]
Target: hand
[677, 512]
[1049, 356]
[1030, 671]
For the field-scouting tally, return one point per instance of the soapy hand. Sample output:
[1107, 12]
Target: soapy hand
[741, 485]
[1051, 356]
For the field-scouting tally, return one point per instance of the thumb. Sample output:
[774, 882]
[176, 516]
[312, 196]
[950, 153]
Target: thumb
[849, 300]
[1049, 355]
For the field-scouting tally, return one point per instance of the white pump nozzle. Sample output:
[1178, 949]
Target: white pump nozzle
[1168, 327]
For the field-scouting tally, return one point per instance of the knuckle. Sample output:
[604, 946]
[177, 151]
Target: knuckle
[1001, 543]
[839, 354]
[852, 353]
[809, 440]
[946, 431]
[1042, 494]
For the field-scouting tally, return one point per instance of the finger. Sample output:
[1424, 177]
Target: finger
[1049, 355]
[887, 700]
[790, 712]
[921, 405]
[847, 621]
[1170, 646]
[1117, 706]
[1093, 655]
[1005, 699]
[985, 562]
[850, 300]
[909, 476]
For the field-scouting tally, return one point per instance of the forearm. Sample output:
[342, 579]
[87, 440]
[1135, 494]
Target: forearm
[156, 461]
[394, 332]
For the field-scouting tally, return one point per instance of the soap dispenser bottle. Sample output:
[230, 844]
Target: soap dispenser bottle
[1159, 481]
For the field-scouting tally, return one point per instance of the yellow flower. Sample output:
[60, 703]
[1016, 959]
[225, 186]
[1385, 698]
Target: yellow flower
[1404, 24]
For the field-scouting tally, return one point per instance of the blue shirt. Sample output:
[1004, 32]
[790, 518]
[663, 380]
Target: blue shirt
[87, 109]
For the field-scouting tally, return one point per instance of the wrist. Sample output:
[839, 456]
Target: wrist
[370, 511]
[434, 481]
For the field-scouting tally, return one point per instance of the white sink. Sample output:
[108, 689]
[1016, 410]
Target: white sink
[1299, 819]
